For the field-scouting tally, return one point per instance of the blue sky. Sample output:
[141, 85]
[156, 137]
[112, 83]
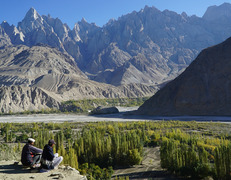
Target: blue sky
[98, 11]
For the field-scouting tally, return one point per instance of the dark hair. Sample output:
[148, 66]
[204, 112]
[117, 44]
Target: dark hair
[30, 142]
[50, 142]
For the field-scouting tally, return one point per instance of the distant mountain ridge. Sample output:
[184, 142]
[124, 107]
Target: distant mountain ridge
[149, 46]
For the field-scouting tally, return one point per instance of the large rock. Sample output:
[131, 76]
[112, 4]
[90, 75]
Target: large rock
[105, 110]
[203, 89]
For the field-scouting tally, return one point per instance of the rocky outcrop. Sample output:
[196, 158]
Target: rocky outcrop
[104, 110]
[63, 172]
[203, 89]
[18, 99]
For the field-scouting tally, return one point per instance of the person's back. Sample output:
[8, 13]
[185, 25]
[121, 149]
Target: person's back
[26, 157]
[30, 154]
[48, 153]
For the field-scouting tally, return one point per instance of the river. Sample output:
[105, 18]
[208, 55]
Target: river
[122, 116]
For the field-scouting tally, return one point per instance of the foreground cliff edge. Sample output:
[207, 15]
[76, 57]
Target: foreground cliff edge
[204, 88]
[10, 171]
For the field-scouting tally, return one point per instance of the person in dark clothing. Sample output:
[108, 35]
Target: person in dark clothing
[49, 159]
[31, 155]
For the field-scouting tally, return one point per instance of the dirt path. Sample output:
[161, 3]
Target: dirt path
[149, 169]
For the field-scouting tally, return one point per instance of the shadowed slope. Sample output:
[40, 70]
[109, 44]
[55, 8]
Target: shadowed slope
[203, 89]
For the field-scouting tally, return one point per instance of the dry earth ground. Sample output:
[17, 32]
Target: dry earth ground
[149, 169]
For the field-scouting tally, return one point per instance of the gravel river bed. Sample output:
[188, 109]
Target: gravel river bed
[124, 115]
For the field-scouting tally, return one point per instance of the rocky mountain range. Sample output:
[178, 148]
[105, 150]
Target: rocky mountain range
[128, 57]
[202, 89]
[149, 46]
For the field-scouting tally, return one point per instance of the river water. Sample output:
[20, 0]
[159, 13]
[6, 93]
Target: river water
[122, 116]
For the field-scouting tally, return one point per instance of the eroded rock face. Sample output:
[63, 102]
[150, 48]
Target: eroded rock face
[18, 99]
[203, 89]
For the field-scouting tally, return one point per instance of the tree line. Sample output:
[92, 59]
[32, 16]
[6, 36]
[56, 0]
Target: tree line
[188, 149]
[196, 156]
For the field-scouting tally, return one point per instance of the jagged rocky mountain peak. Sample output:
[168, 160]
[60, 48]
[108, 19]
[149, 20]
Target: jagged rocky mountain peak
[83, 20]
[150, 9]
[85, 24]
[5, 23]
[216, 13]
[31, 21]
[184, 14]
[32, 14]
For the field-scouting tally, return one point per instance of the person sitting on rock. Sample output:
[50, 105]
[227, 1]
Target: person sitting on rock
[31, 155]
[49, 159]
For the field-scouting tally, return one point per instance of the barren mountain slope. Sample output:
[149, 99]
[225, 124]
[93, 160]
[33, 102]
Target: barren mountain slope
[56, 77]
[203, 89]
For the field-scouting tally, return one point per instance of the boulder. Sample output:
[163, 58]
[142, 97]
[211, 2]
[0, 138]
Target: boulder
[105, 110]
